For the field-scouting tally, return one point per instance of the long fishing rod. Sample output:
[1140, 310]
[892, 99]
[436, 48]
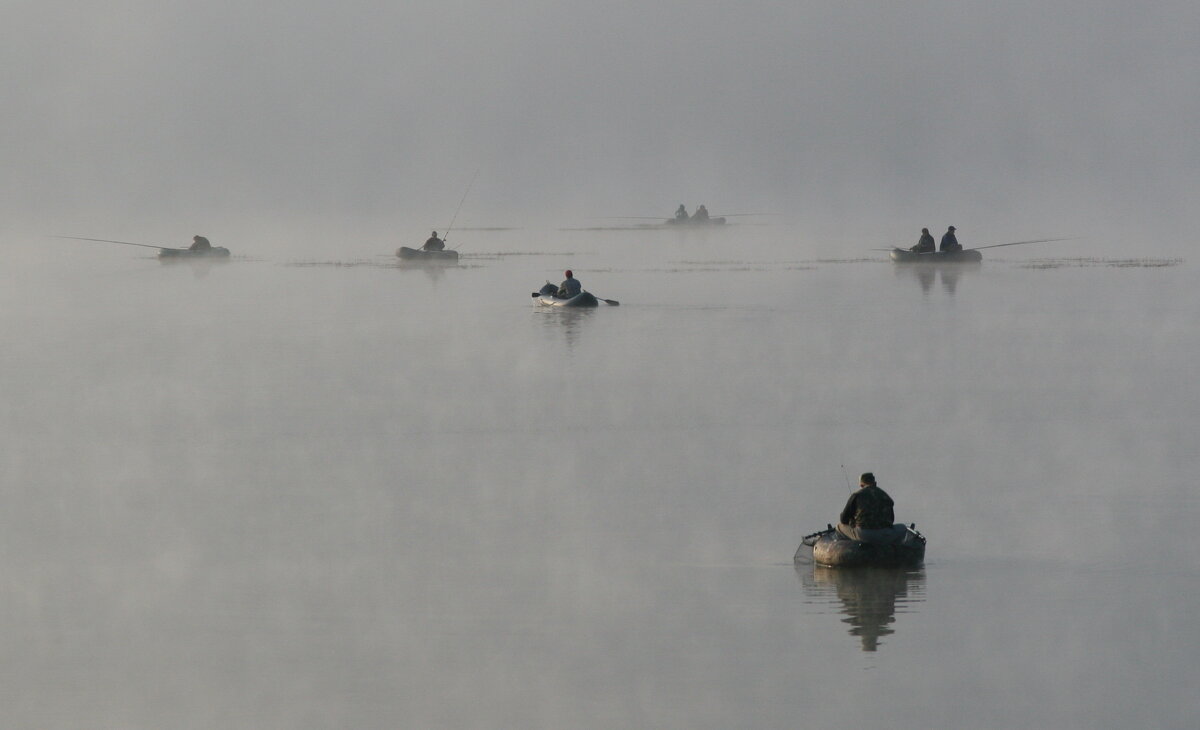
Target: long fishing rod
[847, 478]
[125, 243]
[1018, 243]
[460, 204]
[977, 248]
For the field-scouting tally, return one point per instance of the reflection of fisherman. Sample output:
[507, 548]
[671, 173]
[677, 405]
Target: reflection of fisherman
[433, 243]
[926, 244]
[868, 515]
[570, 286]
[950, 241]
[701, 214]
[200, 243]
[869, 599]
[681, 213]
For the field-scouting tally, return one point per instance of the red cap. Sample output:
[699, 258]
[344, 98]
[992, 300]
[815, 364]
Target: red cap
[569, 274]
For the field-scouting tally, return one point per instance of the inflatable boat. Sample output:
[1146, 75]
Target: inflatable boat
[900, 546]
[216, 252]
[965, 256]
[549, 296]
[420, 254]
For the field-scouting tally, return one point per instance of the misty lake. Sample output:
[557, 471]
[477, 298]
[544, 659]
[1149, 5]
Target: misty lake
[316, 488]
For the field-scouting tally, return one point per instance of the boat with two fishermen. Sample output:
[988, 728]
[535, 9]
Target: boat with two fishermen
[953, 256]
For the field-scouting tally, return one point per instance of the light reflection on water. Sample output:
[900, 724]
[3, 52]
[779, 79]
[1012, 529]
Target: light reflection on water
[869, 598]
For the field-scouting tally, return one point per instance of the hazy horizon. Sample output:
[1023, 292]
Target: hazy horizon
[860, 119]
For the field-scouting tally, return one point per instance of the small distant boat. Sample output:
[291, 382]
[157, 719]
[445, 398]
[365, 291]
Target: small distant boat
[696, 221]
[216, 252]
[832, 548]
[965, 256]
[420, 254]
[549, 296]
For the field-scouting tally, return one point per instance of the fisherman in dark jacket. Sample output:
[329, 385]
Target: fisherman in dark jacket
[950, 244]
[868, 510]
[926, 244]
[681, 213]
[433, 243]
[200, 243]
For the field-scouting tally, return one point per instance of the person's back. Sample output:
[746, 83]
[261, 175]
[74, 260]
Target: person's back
[925, 244]
[701, 214]
[950, 241]
[681, 213]
[872, 509]
[199, 243]
[433, 243]
[868, 514]
[570, 286]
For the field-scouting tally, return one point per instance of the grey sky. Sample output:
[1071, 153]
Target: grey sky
[875, 115]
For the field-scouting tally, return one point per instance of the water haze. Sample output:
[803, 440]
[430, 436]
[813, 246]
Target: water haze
[314, 488]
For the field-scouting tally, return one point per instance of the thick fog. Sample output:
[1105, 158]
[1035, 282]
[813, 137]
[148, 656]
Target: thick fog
[852, 120]
[313, 485]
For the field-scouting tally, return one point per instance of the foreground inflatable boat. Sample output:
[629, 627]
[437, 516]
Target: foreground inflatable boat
[829, 547]
[549, 296]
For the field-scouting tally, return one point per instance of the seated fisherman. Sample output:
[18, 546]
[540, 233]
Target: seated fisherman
[868, 515]
[433, 243]
[926, 244]
[570, 286]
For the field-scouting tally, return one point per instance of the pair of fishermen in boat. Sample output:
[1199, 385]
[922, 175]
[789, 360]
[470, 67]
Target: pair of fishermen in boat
[869, 515]
[200, 243]
[433, 243]
[681, 214]
[950, 243]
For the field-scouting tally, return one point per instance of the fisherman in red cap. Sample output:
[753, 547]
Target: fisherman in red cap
[570, 286]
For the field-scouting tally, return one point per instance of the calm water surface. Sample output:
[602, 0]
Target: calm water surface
[312, 489]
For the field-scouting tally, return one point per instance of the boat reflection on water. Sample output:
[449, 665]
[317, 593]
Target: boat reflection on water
[927, 273]
[568, 320]
[435, 269]
[200, 266]
[870, 597]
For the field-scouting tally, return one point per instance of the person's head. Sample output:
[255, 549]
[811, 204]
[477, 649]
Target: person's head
[568, 274]
[197, 238]
[435, 234]
[924, 230]
[951, 229]
[866, 480]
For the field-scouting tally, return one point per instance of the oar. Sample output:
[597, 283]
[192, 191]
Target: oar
[126, 243]
[610, 302]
